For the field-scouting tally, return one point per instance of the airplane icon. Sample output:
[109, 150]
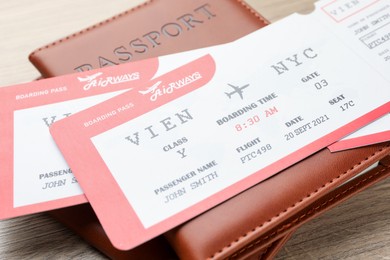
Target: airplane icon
[90, 78]
[237, 89]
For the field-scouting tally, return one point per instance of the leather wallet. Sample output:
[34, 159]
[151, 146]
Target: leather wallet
[254, 224]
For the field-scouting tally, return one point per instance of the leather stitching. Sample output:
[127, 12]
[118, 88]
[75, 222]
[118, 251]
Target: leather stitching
[120, 15]
[295, 205]
[310, 212]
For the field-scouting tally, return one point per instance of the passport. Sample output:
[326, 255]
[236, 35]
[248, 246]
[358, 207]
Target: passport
[145, 32]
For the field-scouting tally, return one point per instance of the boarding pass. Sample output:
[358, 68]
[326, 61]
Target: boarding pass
[151, 159]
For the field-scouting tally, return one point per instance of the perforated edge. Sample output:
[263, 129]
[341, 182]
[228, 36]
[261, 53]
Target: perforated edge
[296, 220]
[253, 12]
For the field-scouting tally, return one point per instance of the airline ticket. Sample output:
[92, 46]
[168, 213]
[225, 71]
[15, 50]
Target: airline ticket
[33, 174]
[151, 159]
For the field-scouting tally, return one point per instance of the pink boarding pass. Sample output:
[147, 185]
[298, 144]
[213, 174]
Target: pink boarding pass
[150, 159]
[33, 174]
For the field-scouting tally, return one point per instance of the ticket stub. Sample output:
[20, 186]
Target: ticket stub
[365, 25]
[208, 130]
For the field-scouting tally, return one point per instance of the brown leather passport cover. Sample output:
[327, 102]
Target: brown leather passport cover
[149, 30]
[253, 224]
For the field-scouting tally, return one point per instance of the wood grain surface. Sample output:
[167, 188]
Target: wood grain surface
[357, 229]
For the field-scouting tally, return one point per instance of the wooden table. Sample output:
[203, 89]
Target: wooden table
[358, 229]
